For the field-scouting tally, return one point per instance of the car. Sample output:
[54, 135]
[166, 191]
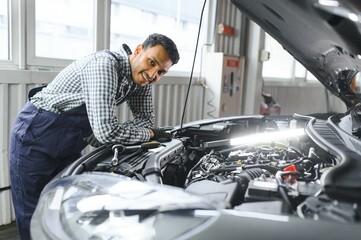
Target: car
[238, 177]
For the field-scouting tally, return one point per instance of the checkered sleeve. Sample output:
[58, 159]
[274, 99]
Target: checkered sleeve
[141, 105]
[99, 88]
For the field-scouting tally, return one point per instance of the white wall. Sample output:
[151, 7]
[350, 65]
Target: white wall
[304, 99]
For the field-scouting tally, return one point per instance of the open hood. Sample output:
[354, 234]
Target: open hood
[323, 35]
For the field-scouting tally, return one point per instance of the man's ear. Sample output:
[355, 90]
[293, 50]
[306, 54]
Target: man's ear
[138, 49]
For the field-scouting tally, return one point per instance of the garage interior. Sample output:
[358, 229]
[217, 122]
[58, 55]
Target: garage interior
[230, 45]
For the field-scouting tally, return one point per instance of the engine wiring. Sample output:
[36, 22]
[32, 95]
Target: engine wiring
[277, 164]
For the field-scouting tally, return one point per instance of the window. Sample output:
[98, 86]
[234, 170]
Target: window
[282, 66]
[133, 21]
[64, 28]
[59, 31]
[4, 30]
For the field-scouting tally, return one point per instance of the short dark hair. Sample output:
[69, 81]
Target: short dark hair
[167, 43]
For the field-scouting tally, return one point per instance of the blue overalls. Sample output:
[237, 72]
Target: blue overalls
[42, 143]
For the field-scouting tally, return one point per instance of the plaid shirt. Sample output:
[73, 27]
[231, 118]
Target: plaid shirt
[102, 83]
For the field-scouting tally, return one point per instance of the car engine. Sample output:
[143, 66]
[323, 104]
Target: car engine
[270, 174]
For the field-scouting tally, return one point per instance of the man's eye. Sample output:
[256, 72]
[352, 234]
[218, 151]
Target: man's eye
[152, 63]
[161, 73]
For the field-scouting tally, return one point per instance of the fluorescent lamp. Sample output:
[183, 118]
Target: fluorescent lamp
[267, 137]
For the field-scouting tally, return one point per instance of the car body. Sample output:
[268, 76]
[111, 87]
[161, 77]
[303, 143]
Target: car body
[241, 177]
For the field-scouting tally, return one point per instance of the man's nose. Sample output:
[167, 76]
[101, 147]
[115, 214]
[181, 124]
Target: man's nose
[154, 74]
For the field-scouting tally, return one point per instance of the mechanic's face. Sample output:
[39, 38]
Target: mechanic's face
[149, 65]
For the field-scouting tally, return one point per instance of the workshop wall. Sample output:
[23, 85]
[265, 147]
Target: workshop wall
[228, 29]
[306, 99]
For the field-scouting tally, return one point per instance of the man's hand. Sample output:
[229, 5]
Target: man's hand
[92, 141]
[160, 135]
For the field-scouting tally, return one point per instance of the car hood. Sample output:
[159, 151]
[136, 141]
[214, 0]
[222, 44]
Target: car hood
[323, 35]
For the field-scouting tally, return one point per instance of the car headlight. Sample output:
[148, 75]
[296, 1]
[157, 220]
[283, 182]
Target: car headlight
[109, 206]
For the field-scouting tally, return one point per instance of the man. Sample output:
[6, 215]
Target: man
[79, 104]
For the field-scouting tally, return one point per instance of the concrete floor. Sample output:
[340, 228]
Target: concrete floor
[9, 232]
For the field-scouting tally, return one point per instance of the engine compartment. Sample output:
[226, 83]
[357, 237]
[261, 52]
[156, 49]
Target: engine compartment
[275, 169]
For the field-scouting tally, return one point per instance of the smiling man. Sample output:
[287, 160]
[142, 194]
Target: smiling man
[149, 65]
[79, 104]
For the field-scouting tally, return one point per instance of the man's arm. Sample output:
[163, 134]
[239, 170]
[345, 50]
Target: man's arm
[141, 105]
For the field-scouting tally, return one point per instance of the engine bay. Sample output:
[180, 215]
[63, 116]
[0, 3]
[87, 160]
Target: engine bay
[258, 164]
